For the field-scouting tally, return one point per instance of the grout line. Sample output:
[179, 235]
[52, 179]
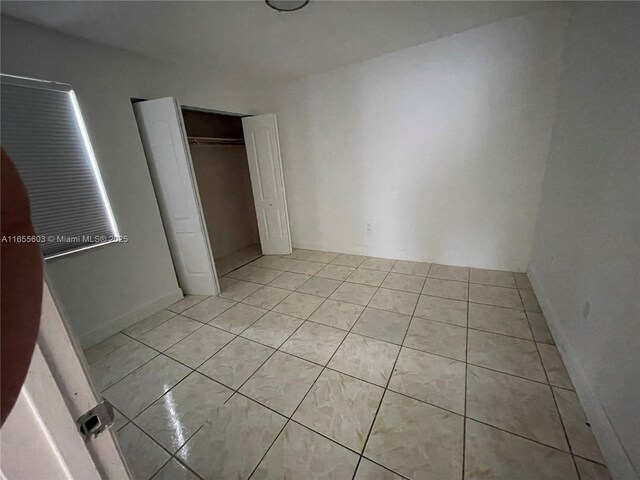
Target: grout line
[466, 376]
[555, 402]
[384, 393]
[326, 367]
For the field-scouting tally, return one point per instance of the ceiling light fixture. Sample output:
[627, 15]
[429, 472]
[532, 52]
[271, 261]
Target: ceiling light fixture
[287, 5]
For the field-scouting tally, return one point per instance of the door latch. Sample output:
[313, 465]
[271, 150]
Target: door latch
[96, 420]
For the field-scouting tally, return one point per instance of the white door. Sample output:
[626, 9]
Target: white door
[267, 181]
[40, 439]
[165, 145]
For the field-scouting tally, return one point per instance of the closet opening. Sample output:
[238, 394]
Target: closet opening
[219, 157]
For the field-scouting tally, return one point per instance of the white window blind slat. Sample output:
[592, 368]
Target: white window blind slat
[43, 134]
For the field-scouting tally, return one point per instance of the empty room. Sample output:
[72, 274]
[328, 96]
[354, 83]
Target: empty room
[309, 239]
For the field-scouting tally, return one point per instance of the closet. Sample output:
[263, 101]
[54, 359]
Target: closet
[219, 156]
[219, 183]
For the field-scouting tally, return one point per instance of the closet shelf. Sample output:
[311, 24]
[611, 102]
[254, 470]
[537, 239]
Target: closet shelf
[215, 141]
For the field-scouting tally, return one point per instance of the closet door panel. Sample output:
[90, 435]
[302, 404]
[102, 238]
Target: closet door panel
[267, 183]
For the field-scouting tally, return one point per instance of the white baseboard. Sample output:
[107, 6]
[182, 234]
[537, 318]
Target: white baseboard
[105, 331]
[618, 462]
[397, 255]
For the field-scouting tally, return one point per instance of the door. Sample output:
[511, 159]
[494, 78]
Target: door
[267, 182]
[40, 438]
[165, 145]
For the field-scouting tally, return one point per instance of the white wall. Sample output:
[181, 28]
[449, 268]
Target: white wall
[433, 153]
[222, 173]
[585, 267]
[108, 288]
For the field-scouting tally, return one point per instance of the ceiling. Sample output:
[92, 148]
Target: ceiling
[247, 38]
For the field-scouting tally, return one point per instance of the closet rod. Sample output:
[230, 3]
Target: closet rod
[215, 141]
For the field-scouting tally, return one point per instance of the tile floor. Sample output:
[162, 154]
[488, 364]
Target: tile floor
[328, 366]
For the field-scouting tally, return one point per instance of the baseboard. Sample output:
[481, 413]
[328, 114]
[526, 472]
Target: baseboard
[618, 462]
[111, 328]
[398, 255]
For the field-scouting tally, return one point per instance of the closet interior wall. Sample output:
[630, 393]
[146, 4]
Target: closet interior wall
[222, 174]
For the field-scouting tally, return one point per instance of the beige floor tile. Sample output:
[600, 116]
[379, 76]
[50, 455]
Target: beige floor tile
[233, 442]
[522, 281]
[238, 318]
[324, 257]
[300, 453]
[187, 301]
[411, 268]
[209, 308]
[497, 296]
[119, 420]
[262, 276]
[407, 283]
[299, 254]
[530, 301]
[581, 438]
[178, 414]
[592, 471]
[506, 321]
[289, 280]
[446, 289]
[554, 366]
[236, 362]
[417, 440]
[365, 358]
[199, 346]
[139, 389]
[299, 305]
[354, 293]
[505, 354]
[373, 278]
[383, 325]
[240, 273]
[307, 268]
[174, 470]
[448, 272]
[148, 323]
[367, 470]
[170, 332]
[144, 457]
[494, 454]
[382, 264]
[277, 263]
[224, 282]
[394, 301]
[436, 337]
[119, 363]
[267, 297]
[98, 351]
[241, 289]
[282, 382]
[336, 272]
[433, 379]
[442, 310]
[314, 342]
[272, 329]
[337, 314]
[321, 287]
[348, 260]
[496, 278]
[514, 404]
[539, 327]
[341, 408]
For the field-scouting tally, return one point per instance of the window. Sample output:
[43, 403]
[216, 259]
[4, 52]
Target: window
[44, 135]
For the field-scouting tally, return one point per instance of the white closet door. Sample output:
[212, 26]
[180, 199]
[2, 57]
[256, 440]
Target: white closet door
[267, 181]
[167, 151]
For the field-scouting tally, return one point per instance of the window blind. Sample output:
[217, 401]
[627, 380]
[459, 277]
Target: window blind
[44, 135]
